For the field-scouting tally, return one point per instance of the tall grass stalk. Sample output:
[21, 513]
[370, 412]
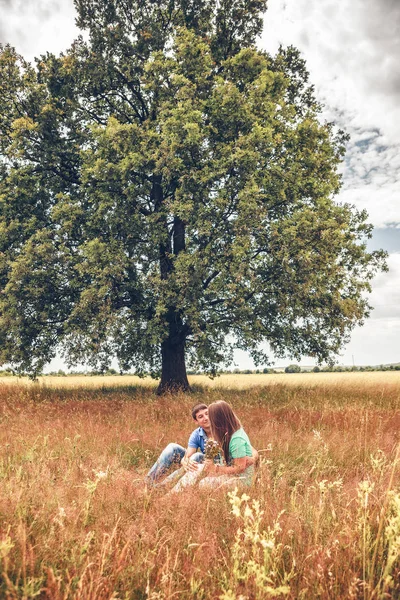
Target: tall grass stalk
[392, 540]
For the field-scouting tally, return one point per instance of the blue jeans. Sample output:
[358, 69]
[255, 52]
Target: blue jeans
[169, 457]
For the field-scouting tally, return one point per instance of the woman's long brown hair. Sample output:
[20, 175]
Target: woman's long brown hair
[223, 423]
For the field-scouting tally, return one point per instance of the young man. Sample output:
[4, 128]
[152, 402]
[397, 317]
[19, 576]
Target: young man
[189, 459]
[175, 454]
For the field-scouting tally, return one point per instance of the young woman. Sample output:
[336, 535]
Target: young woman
[227, 430]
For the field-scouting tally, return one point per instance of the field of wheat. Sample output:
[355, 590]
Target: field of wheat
[322, 519]
[226, 381]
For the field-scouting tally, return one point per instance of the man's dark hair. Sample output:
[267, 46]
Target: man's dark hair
[197, 408]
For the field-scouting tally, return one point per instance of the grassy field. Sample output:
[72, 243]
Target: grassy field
[228, 381]
[321, 521]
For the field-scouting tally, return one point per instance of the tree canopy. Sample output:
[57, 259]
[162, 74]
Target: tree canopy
[167, 193]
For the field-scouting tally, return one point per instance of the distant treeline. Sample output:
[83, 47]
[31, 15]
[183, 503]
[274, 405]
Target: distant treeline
[266, 370]
[298, 369]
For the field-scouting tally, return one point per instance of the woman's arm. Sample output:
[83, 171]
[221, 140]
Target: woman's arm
[252, 460]
[238, 466]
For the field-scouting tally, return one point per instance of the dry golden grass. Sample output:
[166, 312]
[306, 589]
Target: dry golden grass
[352, 379]
[77, 522]
[229, 381]
[80, 381]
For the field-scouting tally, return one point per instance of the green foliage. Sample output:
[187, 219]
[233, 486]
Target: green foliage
[167, 185]
[293, 369]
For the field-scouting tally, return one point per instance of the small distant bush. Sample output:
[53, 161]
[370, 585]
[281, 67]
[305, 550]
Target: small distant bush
[6, 373]
[111, 371]
[293, 369]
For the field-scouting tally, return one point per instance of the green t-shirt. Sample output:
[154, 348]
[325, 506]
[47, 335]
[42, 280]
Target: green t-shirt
[240, 446]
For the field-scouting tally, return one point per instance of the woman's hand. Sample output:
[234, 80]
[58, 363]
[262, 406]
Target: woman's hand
[210, 468]
[239, 465]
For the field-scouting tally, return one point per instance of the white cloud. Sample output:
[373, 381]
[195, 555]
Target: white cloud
[352, 50]
[386, 291]
[376, 343]
[371, 175]
[34, 27]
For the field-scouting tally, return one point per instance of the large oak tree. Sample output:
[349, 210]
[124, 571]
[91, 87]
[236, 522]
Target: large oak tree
[167, 193]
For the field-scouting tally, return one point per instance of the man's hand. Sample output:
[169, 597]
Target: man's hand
[189, 465]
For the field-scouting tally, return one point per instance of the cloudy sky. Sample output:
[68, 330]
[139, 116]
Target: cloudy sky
[352, 49]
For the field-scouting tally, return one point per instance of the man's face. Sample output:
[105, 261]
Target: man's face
[202, 418]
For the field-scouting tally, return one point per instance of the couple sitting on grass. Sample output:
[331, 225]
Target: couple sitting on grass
[219, 453]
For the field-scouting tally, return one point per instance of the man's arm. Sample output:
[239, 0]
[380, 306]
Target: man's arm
[187, 464]
[193, 443]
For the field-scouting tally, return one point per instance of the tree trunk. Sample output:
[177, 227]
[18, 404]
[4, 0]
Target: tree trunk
[173, 375]
[173, 367]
